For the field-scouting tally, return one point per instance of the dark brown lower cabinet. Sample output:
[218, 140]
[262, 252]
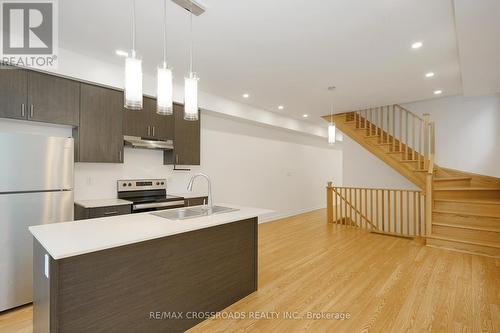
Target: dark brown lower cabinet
[99, 138]
[82, 213]
[133, 288]
[195, 201]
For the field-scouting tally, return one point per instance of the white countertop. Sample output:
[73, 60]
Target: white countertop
[102, 203]
[62, 240]
[188, 195]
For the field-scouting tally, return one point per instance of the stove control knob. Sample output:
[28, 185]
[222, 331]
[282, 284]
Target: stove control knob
[162, 183]
[129, 184]
[124, 184]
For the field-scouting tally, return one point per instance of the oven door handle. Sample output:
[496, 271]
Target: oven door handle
[159, 204]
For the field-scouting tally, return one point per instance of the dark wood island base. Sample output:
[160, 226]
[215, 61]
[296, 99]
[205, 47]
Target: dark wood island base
[160, 285]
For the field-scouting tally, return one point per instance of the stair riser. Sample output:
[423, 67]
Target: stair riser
[451, 183]
[471, 194]
[478, 249]
[468, 221]
[466, 234]
[468, 207]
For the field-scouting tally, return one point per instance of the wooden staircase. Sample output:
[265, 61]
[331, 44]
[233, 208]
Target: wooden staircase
[464, 208]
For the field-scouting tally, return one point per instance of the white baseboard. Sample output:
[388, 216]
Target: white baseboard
[281, 215]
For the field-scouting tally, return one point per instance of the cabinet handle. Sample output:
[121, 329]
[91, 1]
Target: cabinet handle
[120, 155]
[153, 131]
[23, 110]
[111, 213]
[176, 159]
[149, 130]
[31, 110]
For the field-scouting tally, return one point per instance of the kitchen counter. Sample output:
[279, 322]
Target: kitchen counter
[62, 240]
[96, 203]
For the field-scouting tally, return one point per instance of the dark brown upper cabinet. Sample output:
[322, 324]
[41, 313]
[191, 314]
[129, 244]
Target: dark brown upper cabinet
[100, 135]
[186, 140]
[38, 97]
[53, 99]
[13, 92]
[146, 123]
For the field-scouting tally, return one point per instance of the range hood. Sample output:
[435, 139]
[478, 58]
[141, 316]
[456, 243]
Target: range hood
[138, 142]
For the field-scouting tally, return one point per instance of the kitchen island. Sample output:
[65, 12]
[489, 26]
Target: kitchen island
[141, 272]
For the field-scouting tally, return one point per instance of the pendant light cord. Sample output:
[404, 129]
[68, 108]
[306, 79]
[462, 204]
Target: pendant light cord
[165, 33]
[191, 37]
[133, 28]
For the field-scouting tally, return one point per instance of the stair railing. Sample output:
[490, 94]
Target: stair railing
[400, 129]
[404, 133]
[397, 212]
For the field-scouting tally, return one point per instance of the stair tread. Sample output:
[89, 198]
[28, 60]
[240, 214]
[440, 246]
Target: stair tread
[452, 239]
[442, 179]
[464, 214]
[478, 201]
[461, 226]
[467, 189]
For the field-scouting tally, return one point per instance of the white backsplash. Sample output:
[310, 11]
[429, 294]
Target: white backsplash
[98, 180]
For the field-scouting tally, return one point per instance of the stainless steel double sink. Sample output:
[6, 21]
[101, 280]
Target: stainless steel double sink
[192, 212]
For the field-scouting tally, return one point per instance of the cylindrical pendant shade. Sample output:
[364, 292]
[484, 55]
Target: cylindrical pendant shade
[332, 133]
[164, 94]
[191, 97]
[133, 83]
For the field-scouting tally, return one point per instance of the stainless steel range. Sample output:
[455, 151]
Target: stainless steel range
[148, 195]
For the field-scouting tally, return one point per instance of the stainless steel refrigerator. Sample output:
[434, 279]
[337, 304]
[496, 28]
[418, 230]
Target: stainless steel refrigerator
[36, 187]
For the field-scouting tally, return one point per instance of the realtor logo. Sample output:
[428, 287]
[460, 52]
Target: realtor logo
[29, 33]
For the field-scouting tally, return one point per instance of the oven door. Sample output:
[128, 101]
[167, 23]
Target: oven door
[153, 206]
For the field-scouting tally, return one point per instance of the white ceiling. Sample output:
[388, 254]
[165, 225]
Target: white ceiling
[285, 52]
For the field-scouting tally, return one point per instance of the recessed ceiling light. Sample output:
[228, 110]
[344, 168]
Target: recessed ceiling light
[121, 53]
[417, 45]
[246, 95]
[305, 115]
[280, 107]
[438, 92]
[430, 74]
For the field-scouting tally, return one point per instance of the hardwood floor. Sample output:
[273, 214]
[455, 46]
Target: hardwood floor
[386, 284]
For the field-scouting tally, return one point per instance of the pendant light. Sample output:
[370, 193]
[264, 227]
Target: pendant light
[332, 130]
[164, 76]
[191, 82]
[133, 74]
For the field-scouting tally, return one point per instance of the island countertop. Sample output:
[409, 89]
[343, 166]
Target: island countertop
[67, 239]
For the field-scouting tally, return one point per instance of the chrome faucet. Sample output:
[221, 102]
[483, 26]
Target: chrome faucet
[190, 188]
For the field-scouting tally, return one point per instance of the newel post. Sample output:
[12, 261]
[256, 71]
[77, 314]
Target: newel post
[329, 202]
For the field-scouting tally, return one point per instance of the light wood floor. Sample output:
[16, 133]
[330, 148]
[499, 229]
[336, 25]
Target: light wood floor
[387, 284]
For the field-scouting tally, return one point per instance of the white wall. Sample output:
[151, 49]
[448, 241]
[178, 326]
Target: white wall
[467, 138]
[467, 132]
[255, 157]
[249, 165]
[363, 169]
